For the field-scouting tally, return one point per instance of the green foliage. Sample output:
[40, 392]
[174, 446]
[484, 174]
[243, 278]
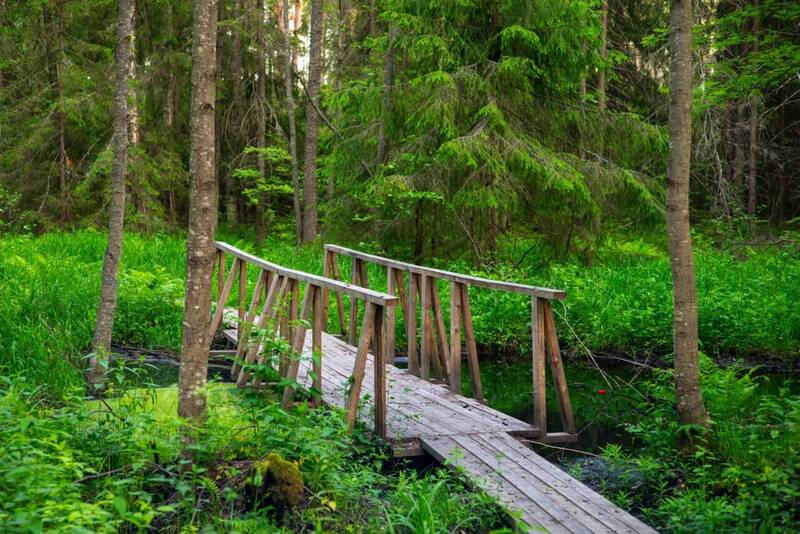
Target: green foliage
[745, 479]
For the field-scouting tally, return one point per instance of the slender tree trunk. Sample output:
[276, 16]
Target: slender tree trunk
[289, 86]
[388, 92]
[738, 155]
[220, 35]
[601, 76]
[310, 218]
[298, 23]
[373, 18]
[261, 117]
[104, 324]
[202, 216]
[60, 117]
[236, 90]
[691, 409]
[137, 179]
[753, 149]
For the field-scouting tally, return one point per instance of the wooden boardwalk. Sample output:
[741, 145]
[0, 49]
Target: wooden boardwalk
[419, 410]
[478, 441]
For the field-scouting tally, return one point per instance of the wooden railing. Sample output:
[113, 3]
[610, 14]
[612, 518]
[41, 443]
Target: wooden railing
[273, 308]
[441, 354]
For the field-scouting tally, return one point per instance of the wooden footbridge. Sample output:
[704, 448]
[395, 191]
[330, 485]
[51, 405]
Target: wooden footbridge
[282, 334]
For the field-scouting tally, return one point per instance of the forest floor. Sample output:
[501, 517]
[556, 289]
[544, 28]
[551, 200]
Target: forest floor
[101, 467]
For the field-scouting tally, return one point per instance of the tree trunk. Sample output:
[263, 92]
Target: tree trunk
[753, 149]
[310, 223]
[289, 86]
[202, 216]
[298, 22]
[691, 409]
[601, 76]
[261, 118]
[220, 35]
[60, 118]
[388, 91]
[236, 90]
[104, 323]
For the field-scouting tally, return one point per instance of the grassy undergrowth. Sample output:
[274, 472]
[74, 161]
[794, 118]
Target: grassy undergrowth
[116, 466]
[49, 287]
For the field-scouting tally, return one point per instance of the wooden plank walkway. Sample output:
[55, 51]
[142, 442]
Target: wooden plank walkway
[471, 437]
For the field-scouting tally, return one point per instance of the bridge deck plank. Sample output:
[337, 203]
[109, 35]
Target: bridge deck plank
[473, 438]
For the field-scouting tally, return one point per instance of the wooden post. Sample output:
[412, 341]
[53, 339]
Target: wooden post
[220, 271]
[437, 312]
[223, 299]
[455, 337]
[411, 324]
[379, 367]
[425, 352]
[557, 369]
[326, 272]
[244, 329]
[367, 326]
[242, 298]
[391, 313]
[297, 343]
[472, 347]
[537, 341]
[316, 342]
[339, 302]
[293, 309]
[353, 303]
[277, 288]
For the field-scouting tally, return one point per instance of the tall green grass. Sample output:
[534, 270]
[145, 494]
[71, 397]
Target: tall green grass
[49, 288]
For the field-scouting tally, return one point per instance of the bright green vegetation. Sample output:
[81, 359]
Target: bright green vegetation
[745, 477]
[620, 304]
[92, 467]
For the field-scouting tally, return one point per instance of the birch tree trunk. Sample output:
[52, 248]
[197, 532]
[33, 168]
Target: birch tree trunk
[202, 216]
[289, 86]
[107, 306]
[691, 409]
[310, 217]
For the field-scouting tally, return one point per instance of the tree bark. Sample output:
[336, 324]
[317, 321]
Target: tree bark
[104, 323]
[202, 216]
[236, 91]
[691, 409]
[297, 23]
[220, 36]
[289, 86]
[753, 148]
[601, 76]
[261, 118]
[388, 92]
[310, 217]
[60, 117]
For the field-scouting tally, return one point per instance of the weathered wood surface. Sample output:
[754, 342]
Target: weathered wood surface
[319, 281]
[544, 496]
[464, 433]
[415, 407]
[543, 292]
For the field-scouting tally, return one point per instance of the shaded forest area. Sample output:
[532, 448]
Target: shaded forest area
[439, 127]
[641, 156]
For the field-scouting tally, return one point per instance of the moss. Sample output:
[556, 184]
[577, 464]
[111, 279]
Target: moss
[281, 480]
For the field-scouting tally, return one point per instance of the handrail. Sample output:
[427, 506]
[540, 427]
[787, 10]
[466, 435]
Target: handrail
[334, 285]
[431, 351]
[542, 292]
[275, 305]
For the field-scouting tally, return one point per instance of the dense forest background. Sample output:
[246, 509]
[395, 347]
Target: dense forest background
[442, 126]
